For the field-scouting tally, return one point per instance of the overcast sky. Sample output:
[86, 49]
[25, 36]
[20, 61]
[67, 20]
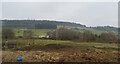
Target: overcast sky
[87, 13]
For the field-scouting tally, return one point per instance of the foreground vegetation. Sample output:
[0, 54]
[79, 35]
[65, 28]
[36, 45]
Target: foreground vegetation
[42, 42]
[61, 51]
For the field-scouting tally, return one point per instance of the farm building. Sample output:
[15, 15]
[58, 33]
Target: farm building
[43, 36]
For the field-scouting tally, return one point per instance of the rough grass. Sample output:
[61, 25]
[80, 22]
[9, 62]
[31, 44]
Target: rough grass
[43, 42]
[47, 41]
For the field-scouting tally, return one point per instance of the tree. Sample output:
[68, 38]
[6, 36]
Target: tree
[64, 34]
[108, 36]
[88, 36]
[27, 34]
[8, 33]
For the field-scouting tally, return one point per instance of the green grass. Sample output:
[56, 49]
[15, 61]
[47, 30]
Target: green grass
[93, 43]
[36, 32]
[71, 43]
[39, 32]
[41, 41]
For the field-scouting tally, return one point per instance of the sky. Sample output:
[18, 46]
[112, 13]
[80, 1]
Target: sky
[59, 0]
[86, 13]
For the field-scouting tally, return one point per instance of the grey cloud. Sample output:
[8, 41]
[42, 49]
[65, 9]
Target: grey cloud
[89, 13]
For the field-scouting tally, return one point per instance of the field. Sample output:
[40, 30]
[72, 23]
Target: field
[42, 32]
[36, 32]
[46, 50]
[45, 42]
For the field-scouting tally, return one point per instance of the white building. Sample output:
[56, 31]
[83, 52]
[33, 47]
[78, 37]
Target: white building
[43, 37]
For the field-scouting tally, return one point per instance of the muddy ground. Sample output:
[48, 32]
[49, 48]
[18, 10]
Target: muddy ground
[60, 53]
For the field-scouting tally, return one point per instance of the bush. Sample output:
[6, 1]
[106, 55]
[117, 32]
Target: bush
[88, 36]
[8, 33]
[27, 34]
[110, 36]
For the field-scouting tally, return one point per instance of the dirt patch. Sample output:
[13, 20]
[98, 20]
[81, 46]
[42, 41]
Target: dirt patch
[60, 53]
[30, 56]
[48, 48]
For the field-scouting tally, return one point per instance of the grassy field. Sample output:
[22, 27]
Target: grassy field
[43, 42]
[42, 32]
[36, 32]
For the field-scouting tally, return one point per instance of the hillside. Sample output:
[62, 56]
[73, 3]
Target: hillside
[47, 24]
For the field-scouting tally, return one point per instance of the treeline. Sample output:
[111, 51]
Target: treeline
[50, 24]
[38, 24]
[29, 24]
[87, 36]
[105, 28]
